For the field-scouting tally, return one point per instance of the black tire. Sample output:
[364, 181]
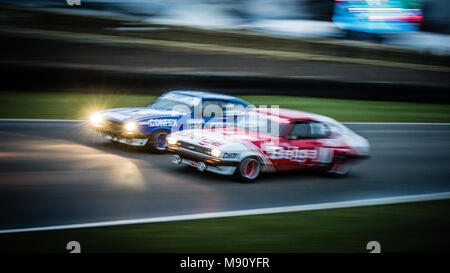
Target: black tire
[248, 170]
[340, 167]
[154, 144]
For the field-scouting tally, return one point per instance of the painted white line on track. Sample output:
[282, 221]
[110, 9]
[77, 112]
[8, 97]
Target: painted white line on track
[333, 205]
[349, 123]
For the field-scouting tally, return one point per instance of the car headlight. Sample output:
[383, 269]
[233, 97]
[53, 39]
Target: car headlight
[215, 152]
[171, 140]
[96, 119]
[130, 126]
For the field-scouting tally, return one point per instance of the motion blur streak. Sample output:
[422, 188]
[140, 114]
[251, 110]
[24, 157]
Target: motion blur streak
[120, 171]
[76, 187]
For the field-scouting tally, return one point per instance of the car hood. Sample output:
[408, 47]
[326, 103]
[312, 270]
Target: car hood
[138, 113]
[221, 137]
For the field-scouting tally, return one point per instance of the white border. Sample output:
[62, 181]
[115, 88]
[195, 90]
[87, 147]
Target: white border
[333, 205]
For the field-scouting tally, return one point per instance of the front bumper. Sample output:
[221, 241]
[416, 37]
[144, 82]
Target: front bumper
[134, 139]
[203, 161]
[128, 141]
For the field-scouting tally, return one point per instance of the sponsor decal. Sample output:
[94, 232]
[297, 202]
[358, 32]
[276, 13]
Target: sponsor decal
[205, 141]
[162, 122]
[230, 155]
[200, 138]
[291, 153]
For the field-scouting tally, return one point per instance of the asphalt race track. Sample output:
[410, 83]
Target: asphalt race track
[57, 173]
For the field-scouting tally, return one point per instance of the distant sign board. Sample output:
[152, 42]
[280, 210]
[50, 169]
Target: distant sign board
[378, 16]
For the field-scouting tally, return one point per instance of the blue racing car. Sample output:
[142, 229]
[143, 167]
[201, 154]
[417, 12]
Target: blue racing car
[175, 110]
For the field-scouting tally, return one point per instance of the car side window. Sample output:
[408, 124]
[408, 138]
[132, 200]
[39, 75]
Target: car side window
[308, 130]
[233, 109]
[212, 108]
[319, 130]
[220, 108]
[300, 130]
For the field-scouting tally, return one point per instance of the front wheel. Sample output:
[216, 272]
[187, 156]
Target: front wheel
[248, 170]
[157, 141]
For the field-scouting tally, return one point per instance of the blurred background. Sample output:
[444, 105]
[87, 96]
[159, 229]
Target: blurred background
[321, 48]
[417, 23]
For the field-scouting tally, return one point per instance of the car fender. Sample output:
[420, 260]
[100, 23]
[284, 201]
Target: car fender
[248, 149]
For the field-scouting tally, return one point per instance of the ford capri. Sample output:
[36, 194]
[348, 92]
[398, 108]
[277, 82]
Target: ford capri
[270, 140]
[173, 111]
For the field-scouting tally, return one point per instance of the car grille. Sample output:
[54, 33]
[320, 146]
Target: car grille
[194, 148]
[113, 126]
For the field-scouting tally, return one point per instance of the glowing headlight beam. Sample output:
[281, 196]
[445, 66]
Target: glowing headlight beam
[96, 118]
[171, 140]
[130, 126]
[215, 152]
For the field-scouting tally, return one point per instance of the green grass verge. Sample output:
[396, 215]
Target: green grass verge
[360, 110]
[64, 105]
[79, 106]
[409, 227]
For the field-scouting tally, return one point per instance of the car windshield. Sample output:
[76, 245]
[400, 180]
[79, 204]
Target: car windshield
[259, 125]
[172, 105]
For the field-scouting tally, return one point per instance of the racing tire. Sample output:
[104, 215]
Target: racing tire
[157, 142]
[248, 170]
[340, 167]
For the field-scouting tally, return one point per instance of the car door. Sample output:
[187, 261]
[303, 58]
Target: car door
[219, 113]
[194, 119]
[303, 145]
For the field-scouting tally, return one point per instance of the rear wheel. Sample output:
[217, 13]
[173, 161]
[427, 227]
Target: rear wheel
[157, 141]
[340, 167]
[248, 170]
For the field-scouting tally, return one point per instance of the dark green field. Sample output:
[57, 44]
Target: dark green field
[409, 227]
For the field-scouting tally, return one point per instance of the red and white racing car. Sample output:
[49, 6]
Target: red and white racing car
[268, 140]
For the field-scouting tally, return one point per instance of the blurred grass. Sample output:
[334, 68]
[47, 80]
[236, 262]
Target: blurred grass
[410, 227]
[79, 106]
[64, 105]
[360, 110]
